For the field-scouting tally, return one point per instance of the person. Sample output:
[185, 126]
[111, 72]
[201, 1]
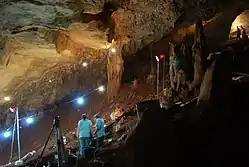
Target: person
[181, 66]
[238, 33]
[244, 35]
[84, 133]
[116, 113]
[100, 131]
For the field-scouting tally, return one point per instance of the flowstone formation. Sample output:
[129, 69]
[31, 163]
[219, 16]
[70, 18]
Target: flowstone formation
[45, 42]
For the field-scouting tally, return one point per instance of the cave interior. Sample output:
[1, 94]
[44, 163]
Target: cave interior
[41, 68]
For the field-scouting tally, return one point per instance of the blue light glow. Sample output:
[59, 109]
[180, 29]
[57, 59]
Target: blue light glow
[7, 134]
[29, 120]
[80, 100]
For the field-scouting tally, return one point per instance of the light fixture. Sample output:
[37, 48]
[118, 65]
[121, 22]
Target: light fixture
[29, 120]
[101, 88]
[7, 98]
[162, 56]
[157, 59]
[80, 100]
[84, 64]
[7, 134]
[113, 50]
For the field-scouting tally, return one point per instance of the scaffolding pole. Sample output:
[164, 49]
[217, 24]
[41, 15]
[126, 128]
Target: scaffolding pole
[18, 134]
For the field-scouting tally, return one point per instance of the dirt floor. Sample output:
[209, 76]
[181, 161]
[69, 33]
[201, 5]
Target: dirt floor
[33, 137]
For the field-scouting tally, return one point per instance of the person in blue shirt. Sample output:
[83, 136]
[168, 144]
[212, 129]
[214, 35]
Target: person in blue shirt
[84, 133]
[100, 131]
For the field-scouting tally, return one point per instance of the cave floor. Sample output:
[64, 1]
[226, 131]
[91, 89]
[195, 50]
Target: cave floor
[33, 137]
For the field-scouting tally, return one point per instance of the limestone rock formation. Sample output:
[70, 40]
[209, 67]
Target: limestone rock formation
[216, 86]
[172, 70]
[44, 42]
[39, 73]
[198, 54]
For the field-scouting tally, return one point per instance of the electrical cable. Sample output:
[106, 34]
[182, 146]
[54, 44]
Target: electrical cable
[37, 113]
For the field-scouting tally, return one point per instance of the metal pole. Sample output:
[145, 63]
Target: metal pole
[18, 134]
[60, 144]
[13, 139]
[163, 71]
[157, 89]
[58, 136]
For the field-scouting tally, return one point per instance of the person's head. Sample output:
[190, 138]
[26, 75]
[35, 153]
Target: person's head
[118, 105]
[96, 116]
[83, 116]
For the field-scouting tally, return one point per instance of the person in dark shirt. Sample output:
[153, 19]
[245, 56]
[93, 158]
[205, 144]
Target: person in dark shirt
[238, 33]
[244, 35]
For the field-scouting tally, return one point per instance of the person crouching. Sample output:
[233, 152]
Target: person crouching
[84, 134]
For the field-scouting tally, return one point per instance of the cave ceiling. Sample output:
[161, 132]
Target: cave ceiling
[44, 42]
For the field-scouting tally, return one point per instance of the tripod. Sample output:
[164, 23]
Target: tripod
[62, 156]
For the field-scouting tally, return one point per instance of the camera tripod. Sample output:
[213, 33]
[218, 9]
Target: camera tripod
[62, 156]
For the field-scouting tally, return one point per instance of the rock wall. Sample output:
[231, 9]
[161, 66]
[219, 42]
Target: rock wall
[42, 55]
[146, 21]
[44, 76]
[143, 22]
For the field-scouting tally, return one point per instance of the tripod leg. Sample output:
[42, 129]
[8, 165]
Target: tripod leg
[44, 147]
[63, 150]
[60, 144]
[59, 148]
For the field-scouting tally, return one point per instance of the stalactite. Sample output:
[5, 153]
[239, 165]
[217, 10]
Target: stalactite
[115, 69]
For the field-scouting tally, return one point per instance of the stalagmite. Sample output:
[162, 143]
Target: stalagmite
[198, 54]
[181, 61]
[172, 70]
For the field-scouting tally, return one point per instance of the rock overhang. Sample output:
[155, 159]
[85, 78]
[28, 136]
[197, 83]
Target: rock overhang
[34, 61]
[62, 36]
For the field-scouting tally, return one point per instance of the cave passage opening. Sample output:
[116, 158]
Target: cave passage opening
[241, 20]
